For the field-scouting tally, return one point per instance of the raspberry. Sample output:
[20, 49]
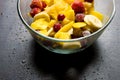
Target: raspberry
[57, 27]
[36, 3]
[79, 17]
[34, 11]
[78, 7]
[86, 33]
[43, 5]
[60, 17]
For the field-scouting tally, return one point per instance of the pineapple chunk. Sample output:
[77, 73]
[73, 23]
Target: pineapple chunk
[69, 1]
[51, 23]
[66, 27]
[52, 11]
[65, 21]
[70, 14]
[40, 24]
[71, 45]
[44, 32]
[63, 35]
[78, 25]
[49, 2]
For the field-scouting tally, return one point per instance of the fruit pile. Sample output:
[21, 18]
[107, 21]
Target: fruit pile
[65, 19]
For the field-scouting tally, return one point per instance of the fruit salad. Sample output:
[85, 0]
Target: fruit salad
[65, 19]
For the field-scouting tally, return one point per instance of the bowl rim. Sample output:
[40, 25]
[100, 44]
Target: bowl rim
[68, 40]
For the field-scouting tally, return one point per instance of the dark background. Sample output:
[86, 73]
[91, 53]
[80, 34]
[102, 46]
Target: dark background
[21, 58]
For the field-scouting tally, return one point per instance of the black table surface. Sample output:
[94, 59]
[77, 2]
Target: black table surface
[21, 58]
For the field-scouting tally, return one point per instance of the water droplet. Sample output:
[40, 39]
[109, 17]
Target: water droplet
[28, 68]
[26, 40]
[14, 52]
[94, 72]
[22, 40]
[14, 49]
[1, 13]
[23, 61]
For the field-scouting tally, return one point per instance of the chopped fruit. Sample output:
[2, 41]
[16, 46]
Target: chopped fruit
[35, 11]
[71, 45]
[69, 1]
[79, 25]
[61, 17]
[65, 19]
[57, 27]
[52, 12]
[42, 15]
[97, 14]
[93, 21]
[51, 23]
[43, 5]
[86, 33]
[40, 24]
[66, 27]
[36, 3]
[63, 35]
[70, 15]
[79, 17]
[44, 32]
[78, 7]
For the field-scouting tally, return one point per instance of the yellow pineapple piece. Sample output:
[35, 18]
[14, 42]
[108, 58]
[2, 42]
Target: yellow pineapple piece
[70, 15]
[78, 25]
[44, 32]
[88, 7]
[52, 11]
[63, 35]
[97, 14]
[65, 21]
[69, 1]
[40, 24]
[66, 27]
[71, 45]
[60, 6]
[51, 23]
[90, 10]
[49, 2]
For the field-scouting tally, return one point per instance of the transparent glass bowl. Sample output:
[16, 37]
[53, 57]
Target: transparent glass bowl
[106, 7]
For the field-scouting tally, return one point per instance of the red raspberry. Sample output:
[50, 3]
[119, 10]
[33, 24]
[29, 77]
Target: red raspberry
[34, 11]
[60, 17]
[36, 3]
[57, 27]
[43, 5]
[79, 17]
[86, 33]
[78, 7]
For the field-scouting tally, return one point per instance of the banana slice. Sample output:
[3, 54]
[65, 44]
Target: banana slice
[42, 15]
[93, 21]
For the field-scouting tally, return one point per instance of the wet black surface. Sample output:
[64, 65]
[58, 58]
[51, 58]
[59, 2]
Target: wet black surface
[21, 58]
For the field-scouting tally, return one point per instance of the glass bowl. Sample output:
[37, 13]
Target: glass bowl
[106, 7]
